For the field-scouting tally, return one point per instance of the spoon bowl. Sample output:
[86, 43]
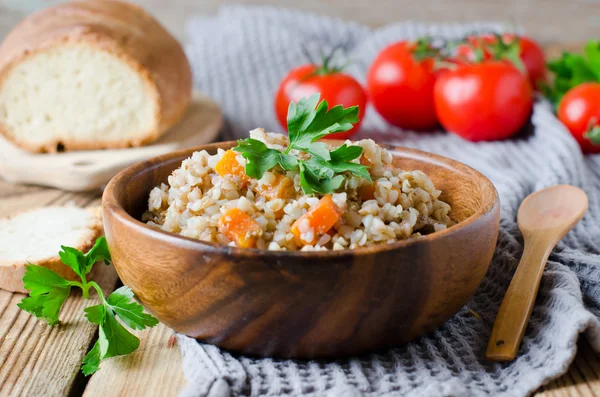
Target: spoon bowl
[554, 210]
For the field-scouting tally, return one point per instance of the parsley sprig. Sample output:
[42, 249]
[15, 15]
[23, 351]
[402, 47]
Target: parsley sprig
[572, 69]
[49, 291]
[308, 121]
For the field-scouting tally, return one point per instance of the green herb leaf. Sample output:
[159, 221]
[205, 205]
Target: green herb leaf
[341, 161]
[301, 114]
[319, 167]
[260, 158]
[314, 180]
[308, 121]
[571, 69]
[346, 153]
[592, 52]
[82, 263]
[74, 259]
[318, 175]
[307, 124]
[114, 339]
[99, 252]
[95, 314]
[356, 169]
[319, 149]
[48, 292]
[129, 311]
[91, 361]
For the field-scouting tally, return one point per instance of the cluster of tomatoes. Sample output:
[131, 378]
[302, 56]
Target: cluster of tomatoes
[476, 91]
[480, 88]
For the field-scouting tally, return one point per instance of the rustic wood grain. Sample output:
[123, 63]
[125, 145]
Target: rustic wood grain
[152, 370]
[38, 359]
[582, 379]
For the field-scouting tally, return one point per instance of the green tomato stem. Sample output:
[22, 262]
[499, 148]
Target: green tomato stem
[593, 135]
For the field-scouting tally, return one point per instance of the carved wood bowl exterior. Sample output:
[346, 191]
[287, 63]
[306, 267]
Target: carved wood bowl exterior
[304, 304]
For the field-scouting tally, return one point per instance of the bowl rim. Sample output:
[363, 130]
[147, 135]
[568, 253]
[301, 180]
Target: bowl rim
[111, 204]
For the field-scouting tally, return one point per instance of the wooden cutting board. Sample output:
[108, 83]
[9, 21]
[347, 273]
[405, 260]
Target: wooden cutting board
[87, 170]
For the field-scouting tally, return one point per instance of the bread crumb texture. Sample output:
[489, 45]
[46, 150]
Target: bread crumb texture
[91, 75]
[38, 234]
[76, 94]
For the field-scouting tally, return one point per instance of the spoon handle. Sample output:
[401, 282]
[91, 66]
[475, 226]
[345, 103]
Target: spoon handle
[517, 304]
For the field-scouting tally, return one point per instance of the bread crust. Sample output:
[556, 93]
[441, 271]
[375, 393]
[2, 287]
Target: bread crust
[122, 29]
[11, 274]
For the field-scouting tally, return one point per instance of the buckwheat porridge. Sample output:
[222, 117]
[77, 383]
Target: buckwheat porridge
[212, 198]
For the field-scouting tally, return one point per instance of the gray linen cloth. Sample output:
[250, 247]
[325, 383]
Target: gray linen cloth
[239, 57]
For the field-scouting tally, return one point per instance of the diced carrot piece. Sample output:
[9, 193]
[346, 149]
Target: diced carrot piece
[367, 191]
[316, 222]
[228, 165]
[239, 227]
[282, 188]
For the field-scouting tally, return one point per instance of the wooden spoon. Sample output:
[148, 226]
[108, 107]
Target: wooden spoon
[544, 218]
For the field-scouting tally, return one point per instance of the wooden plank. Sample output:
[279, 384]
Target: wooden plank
[38, 359]
[582, 379]
[152, 370]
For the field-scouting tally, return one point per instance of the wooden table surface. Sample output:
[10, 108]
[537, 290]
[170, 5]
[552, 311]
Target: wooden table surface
[38, 360]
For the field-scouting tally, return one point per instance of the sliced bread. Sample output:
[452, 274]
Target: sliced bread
[36, 236]
[91, 75]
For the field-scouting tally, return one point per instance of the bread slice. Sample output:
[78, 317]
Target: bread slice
[36, 236]
[91, 75]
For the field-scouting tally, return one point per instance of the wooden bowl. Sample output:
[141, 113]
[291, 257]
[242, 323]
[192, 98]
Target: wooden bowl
[304, 304]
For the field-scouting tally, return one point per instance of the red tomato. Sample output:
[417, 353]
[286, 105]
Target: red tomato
[336, 88]
[579, 110]
[531, 54]
[484, 101]
[401, 87]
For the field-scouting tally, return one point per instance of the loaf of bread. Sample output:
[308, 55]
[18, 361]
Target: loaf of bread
[36, 236]
[91, 75]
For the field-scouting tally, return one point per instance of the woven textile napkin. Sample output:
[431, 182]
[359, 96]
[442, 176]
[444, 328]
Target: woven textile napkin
[239, 57]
